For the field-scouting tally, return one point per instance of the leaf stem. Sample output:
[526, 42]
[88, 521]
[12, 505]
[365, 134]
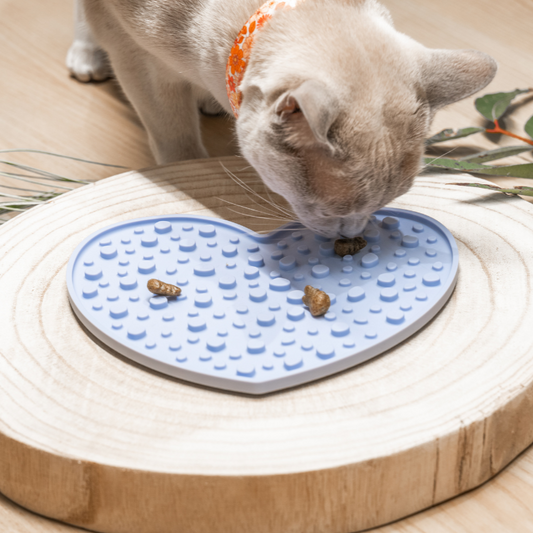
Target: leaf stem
[497, 129]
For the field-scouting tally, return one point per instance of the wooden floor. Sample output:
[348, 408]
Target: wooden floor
[42, 108]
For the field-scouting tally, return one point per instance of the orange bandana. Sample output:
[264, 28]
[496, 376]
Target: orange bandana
[240, 53]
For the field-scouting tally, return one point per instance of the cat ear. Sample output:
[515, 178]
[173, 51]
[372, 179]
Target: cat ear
[451, 75]
[307, 113]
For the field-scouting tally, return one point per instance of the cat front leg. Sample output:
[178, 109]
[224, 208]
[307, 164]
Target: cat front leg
[86, 60]
[166, 103]
[207, 103]
[173, 126]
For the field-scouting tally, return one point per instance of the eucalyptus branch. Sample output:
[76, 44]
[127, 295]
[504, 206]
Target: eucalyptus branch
[492, 106]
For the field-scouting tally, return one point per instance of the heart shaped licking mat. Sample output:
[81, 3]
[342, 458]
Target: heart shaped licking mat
[239, 323]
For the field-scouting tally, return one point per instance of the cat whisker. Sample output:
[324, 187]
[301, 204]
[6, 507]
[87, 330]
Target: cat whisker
[438, 157]
[274, 204]
[278, 206]
[271, 215]
[249, 189]
[266, 210]
[254, 216]
[276, 212]
[241, 183]
[279, 230]
[245, 207]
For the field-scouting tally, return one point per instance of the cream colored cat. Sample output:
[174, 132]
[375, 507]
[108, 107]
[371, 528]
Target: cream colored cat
[336, 102]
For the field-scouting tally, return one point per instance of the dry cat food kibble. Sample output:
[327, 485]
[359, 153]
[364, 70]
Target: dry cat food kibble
[317, 301]
[163, 289]
[349, 246]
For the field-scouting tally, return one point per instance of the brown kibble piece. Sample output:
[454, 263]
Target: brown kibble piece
[349, 246]
[163, 289]
[317, 301]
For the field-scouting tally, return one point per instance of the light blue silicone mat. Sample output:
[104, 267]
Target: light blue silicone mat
[240, 324]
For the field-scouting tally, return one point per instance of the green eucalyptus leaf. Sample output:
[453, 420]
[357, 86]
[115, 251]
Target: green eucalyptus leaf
[453, 164]
[529, 127]
[499, 153]
[493, 106]
[513, 171]
[523, 191]
[510, 171]
[450, 134]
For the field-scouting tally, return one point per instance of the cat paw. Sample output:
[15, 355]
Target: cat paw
[87, 62]
[211, 107]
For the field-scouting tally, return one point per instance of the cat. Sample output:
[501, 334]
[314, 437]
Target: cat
[336, 103]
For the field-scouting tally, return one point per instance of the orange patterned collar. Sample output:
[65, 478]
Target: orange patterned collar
[240, 53]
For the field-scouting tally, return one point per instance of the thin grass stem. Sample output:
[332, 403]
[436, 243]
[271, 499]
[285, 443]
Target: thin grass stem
[20, 178]
[16, 196]
[19, 189]
[29, 150]
[15, 207]
[44, 173]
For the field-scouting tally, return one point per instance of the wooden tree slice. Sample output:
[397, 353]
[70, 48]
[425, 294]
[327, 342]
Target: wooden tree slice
[93, 440]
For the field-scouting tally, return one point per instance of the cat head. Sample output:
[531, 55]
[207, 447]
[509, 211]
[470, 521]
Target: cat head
[337, 105]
